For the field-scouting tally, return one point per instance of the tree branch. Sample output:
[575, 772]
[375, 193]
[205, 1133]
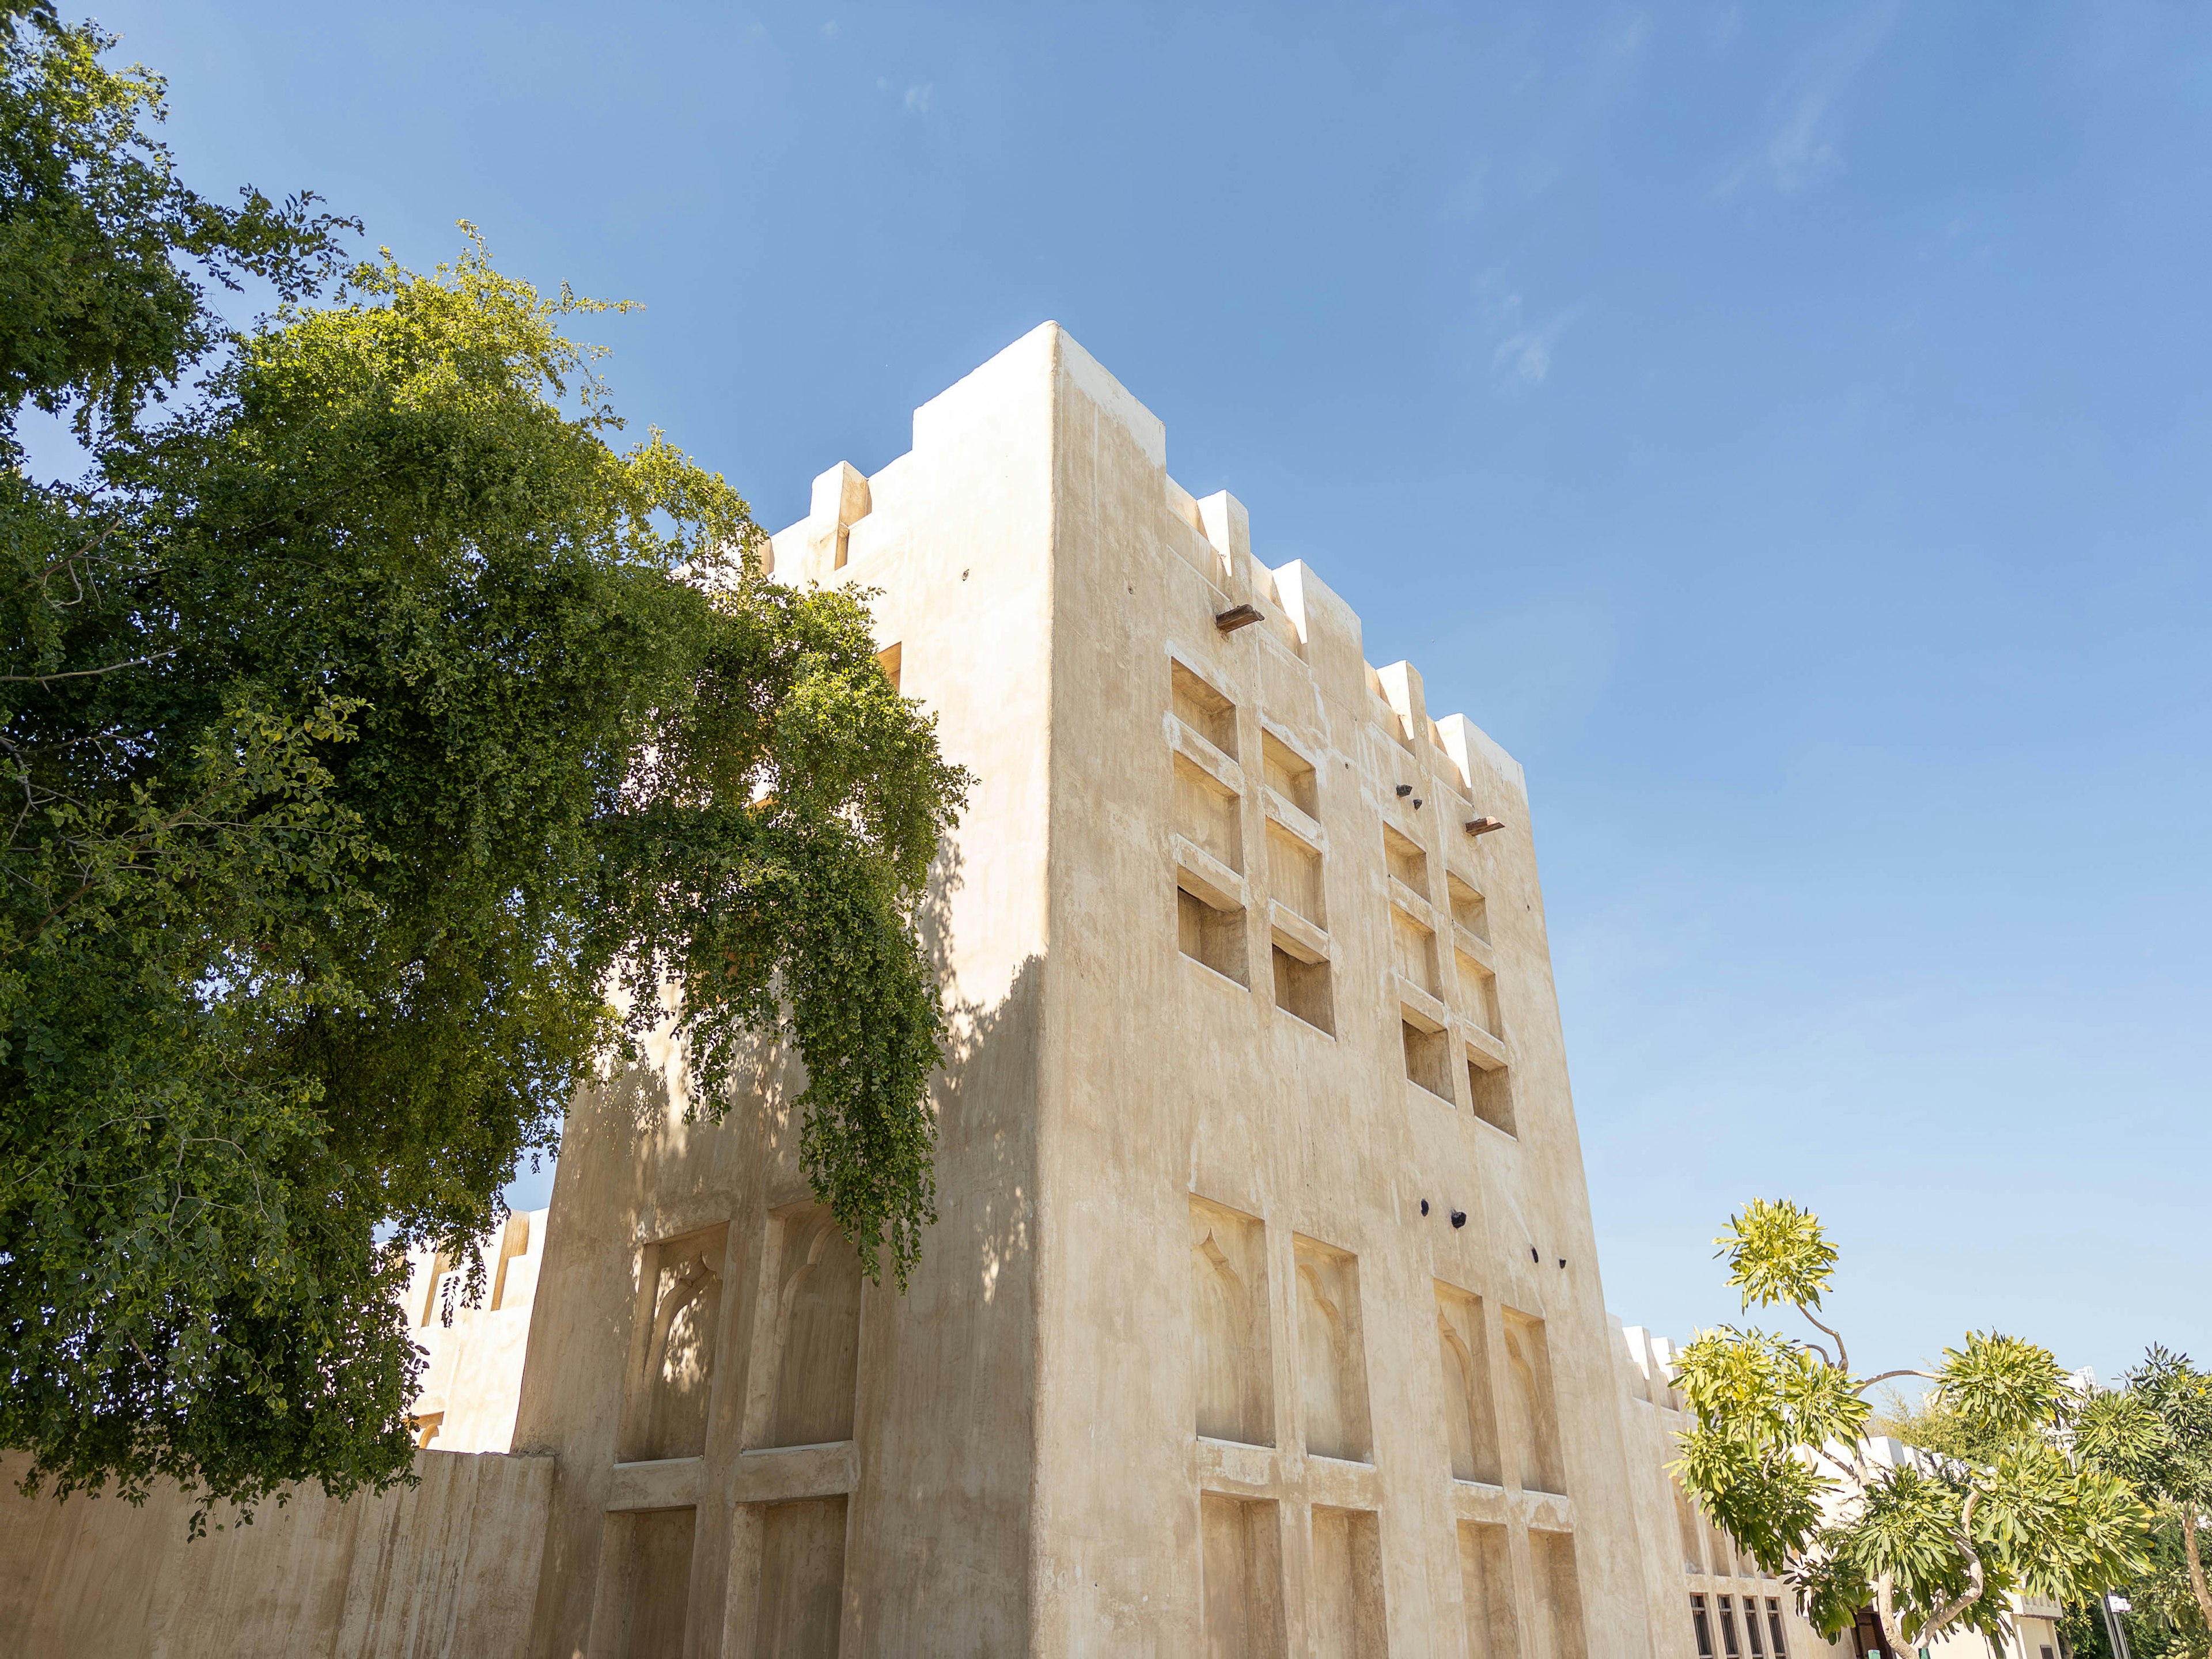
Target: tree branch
[1884, 1377]
[81, 673]
[1843, 1364]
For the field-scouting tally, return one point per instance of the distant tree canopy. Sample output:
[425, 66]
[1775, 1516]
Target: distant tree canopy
[367, 719]
[1778, 1456]
[2155, 1431]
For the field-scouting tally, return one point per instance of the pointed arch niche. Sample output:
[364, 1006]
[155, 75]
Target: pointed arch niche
[1229, 1319]
[813, 1342]
[1470, 1409]
[673, 1347]
[1332, 1369]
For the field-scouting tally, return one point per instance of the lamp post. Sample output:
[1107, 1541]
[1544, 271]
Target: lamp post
[2113, 1605]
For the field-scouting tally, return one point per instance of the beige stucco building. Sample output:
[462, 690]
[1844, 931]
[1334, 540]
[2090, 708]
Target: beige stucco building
[1263, 1314]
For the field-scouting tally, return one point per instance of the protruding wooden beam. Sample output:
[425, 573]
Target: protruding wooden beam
[1237, 617]
[1484, 826]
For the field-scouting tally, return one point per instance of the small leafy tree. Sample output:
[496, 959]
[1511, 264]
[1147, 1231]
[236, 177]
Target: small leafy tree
[2156, 1432]
[1936, 1544]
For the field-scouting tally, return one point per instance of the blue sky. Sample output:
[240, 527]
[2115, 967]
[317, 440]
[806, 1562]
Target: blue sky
[1789, 430]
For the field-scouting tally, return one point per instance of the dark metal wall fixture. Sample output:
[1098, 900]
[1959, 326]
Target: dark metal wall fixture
[1424, 1206]
[1459, 1218]
[1562, 1263]
[1237, 617]
[1404, 790]
[1534, 1254]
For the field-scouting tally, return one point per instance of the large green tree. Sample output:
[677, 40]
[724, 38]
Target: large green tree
[387, 749]
[1778, 1456]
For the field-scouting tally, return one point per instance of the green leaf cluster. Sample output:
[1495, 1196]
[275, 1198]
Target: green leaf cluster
[389, 748]
[2156, 1432]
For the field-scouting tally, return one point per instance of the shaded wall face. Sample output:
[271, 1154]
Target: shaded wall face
[760, 1452]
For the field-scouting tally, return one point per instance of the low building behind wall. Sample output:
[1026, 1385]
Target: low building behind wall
[473, 1356]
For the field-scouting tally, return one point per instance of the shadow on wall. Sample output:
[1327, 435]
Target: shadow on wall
[934, 1399]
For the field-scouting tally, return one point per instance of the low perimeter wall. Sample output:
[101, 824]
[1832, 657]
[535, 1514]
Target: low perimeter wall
[448, 1569]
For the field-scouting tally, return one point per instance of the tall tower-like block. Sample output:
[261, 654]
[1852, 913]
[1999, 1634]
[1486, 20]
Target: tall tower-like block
[1262, 1314]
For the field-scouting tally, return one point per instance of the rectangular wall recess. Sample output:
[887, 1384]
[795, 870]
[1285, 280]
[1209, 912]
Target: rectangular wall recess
[1533, 1409]
[1332, 1362]
[1470, 1413]
[1204, 709]
[1348, 1619]
[1490, 1091]
[1301, 989]
[1214, 937]
[1493, 1629]
[645, 1584]
[1428, 1057]
[675, 1340]
[1241, 1578]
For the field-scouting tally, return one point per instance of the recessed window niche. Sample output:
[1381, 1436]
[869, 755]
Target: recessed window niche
[672, 1348]
[1203, 710]
[1470, 1416]
[1228, 1318]
[1493, 1630]
[1241, 1577]
[1332, 1369]
[1290, 774]
[1428, 1055]
[1490, 1091]
[1347, 1586]
[1532, 1408]
[1213, 936]
[1301, 989]
[817, 1338]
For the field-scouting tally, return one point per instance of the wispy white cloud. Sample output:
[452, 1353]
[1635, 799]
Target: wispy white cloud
[1522, 344]
[1801, 147]
[918, 98]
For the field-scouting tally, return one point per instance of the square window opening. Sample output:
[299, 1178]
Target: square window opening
[1468, 907]
[1302, 990]
[1490, 1092]
[1408, 862]
[1290, 774]
[1428, 1059]
[1213, 937]
[1205, 710]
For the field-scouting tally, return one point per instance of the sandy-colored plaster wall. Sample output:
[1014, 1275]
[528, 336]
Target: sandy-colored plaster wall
[1167, 1079]
[444, 1570]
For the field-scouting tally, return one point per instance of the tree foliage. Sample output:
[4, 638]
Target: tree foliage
[2156, 1432]
[1937, 1543]
[369, 717]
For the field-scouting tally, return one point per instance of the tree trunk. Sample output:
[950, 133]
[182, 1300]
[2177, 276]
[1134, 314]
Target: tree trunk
[2195, 1560]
